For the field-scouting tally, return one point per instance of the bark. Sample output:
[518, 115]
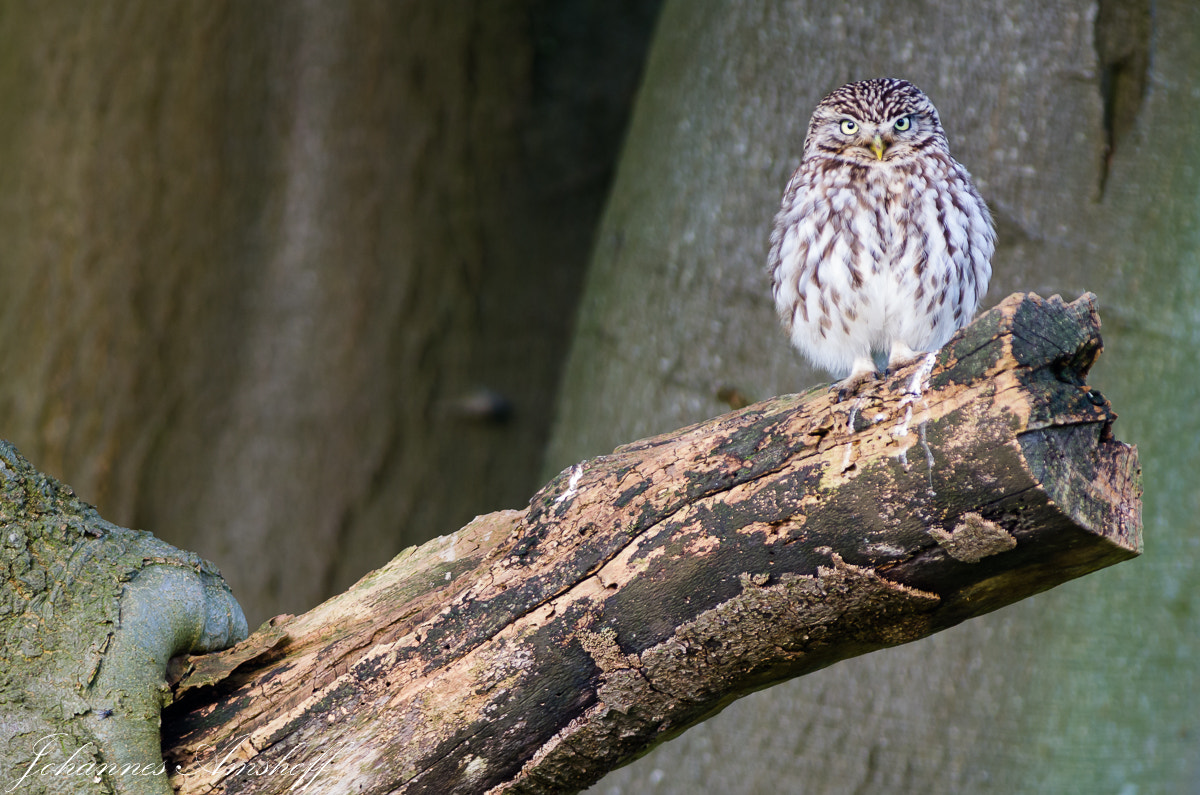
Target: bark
[90, 613]
[643, 591]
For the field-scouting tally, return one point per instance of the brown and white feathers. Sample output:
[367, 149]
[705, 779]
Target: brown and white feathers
[882, 242]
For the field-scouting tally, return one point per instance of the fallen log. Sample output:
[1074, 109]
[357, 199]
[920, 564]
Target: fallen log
[640, 592]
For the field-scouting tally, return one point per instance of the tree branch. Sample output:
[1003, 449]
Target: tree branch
[642, 591]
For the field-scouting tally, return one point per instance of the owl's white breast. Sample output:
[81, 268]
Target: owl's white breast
[861, 254]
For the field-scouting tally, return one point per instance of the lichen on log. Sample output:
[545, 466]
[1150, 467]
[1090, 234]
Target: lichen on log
[644, 590]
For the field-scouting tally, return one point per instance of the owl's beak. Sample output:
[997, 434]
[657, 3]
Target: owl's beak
[878, 147]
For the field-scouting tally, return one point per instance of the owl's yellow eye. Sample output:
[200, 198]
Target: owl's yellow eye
[849, 127]
[903, 123]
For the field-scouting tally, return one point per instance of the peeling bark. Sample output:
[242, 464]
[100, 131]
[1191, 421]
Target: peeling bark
[642, 591]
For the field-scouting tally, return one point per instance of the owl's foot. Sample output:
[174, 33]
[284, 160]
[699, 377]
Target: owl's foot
[849, 386]
[899, 357]
[898, 365]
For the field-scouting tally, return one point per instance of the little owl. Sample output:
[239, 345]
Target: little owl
[882, 242]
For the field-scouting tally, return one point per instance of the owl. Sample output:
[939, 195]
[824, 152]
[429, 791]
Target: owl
[882, 242]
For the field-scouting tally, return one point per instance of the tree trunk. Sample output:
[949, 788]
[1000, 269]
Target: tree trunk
[645, 590]
[271, 269]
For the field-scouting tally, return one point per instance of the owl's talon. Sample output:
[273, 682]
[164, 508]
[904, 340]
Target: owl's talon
[901, 356]
[848, 387]
[893, 369]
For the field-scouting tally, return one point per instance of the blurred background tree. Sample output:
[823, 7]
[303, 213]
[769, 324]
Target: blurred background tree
[292, 285]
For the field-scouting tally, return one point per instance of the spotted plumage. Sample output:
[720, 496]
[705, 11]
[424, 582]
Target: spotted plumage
[882, 242]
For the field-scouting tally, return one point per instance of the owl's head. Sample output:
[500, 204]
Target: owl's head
[884, 120]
